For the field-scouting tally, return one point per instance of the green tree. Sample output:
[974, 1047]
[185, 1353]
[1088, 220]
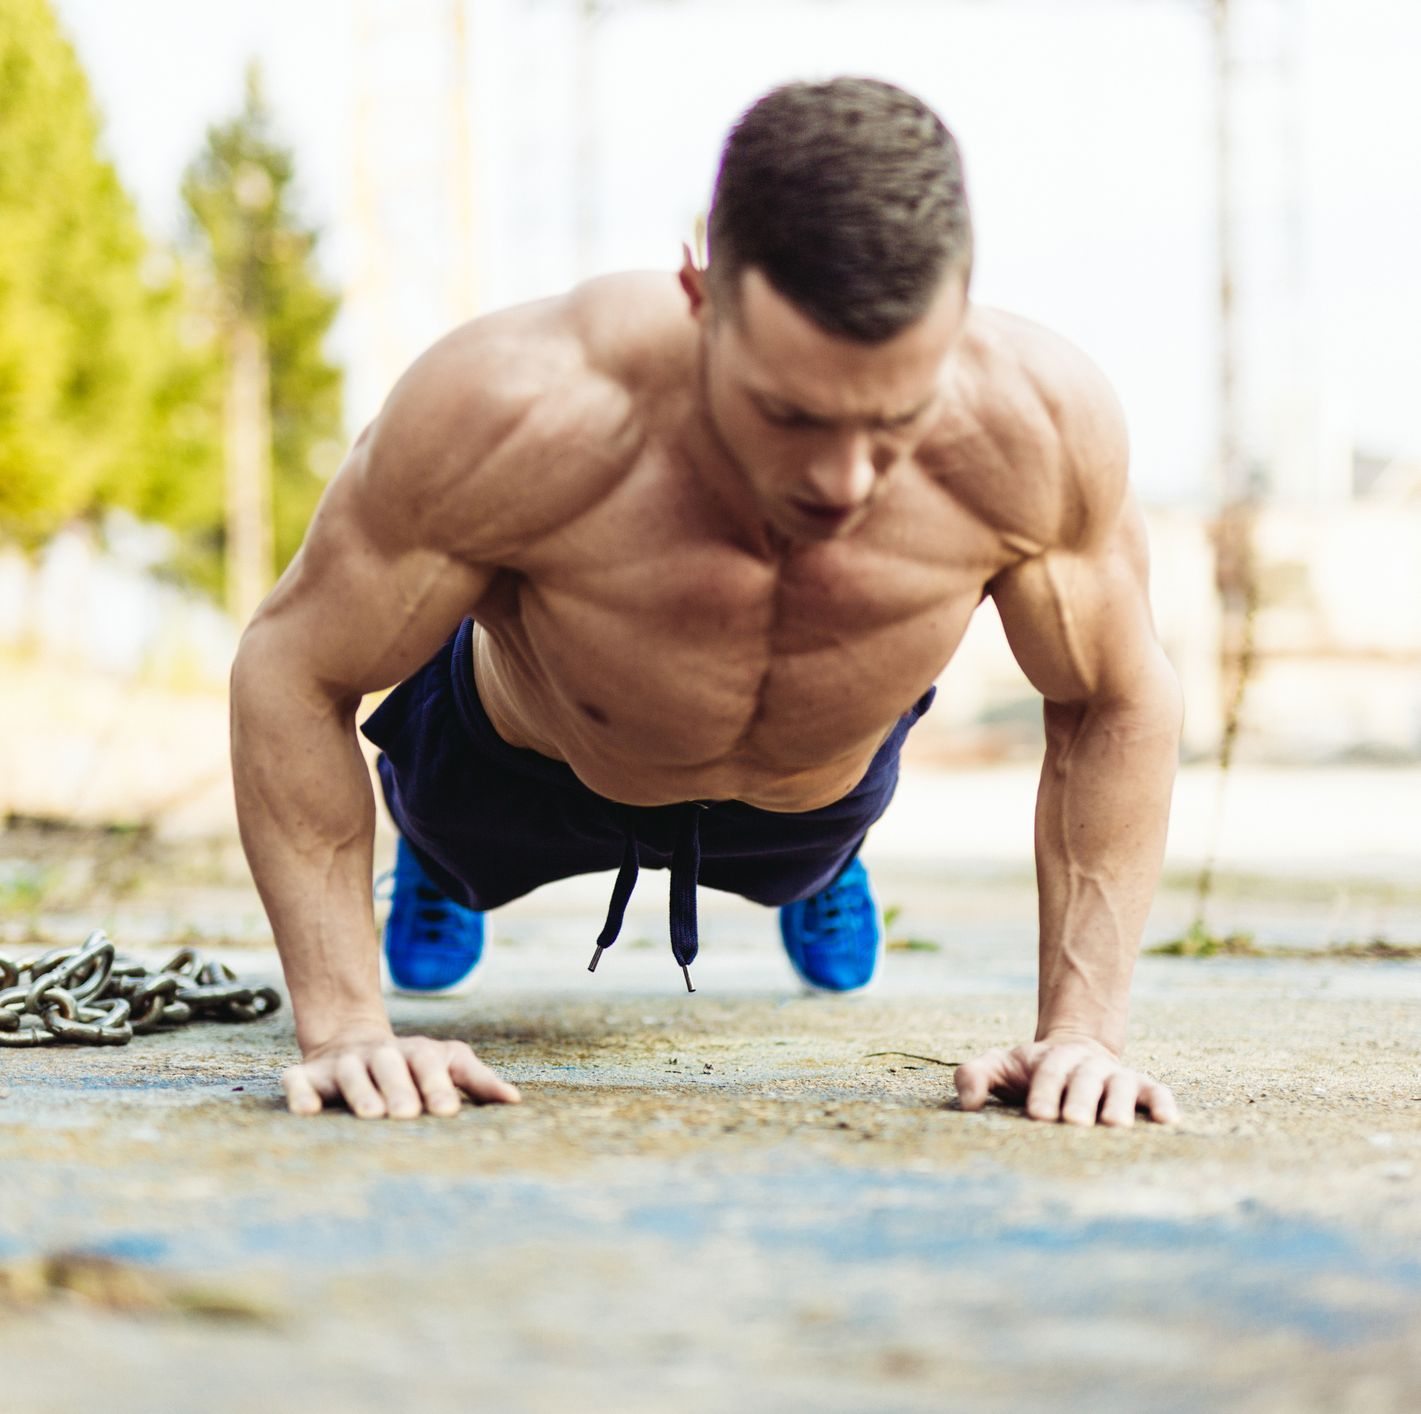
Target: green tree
[270, 303]
[102, 399]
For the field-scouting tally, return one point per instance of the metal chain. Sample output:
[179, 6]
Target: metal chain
[96, 996]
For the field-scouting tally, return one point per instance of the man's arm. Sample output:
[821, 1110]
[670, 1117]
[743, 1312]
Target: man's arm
[1077, 617]
[384, 576]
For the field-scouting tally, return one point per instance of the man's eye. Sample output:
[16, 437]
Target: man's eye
[900, 424]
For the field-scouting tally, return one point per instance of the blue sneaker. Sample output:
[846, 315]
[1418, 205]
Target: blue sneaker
[432, 944]
[833, 938]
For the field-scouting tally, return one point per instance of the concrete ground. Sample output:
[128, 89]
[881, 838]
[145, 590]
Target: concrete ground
[745, 1198]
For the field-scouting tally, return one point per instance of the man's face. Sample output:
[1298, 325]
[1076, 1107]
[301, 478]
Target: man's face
[818, 423]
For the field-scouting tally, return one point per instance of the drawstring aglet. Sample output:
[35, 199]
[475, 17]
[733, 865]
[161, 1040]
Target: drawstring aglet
[596, 958]
[687, 971]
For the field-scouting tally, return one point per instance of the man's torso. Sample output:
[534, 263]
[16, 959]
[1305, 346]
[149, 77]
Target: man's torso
[665, 656]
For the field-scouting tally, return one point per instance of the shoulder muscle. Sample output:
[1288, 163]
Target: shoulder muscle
[495, 436]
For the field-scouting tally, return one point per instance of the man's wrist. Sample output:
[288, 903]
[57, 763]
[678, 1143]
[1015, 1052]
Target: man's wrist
[316, 1030]
[1067, 1033]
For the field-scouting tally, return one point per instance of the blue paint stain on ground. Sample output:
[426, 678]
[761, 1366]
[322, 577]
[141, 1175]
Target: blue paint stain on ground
[122, 1081]
[147, 1248]
[1254, 1269]
[1249, 1270]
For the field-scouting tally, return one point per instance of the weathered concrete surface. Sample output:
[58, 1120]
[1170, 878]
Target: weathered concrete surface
[727, 1200]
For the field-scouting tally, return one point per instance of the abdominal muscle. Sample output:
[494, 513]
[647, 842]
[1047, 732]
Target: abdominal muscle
[623, 766]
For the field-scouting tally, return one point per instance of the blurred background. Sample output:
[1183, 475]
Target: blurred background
[225, 229]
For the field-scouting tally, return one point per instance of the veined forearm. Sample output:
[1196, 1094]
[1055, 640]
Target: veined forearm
[307, 814]
[1101, 819]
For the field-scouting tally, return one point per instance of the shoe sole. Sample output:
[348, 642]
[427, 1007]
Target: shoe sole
[817, 989]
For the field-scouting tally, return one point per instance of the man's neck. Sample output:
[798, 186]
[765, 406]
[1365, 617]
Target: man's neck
[717, 470]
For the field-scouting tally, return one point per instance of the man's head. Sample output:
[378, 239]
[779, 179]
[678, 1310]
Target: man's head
[847, 196]
[840, 249]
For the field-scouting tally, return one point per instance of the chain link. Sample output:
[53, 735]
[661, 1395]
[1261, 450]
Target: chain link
[96, 996]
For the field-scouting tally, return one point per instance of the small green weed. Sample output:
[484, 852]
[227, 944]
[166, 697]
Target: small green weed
[1198, 941]
[891, 915]
[23, 890]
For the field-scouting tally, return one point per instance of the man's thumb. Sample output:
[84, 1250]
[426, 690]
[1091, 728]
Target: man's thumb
[971, 1082]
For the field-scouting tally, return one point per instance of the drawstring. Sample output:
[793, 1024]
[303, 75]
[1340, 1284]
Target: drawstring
[685, 871]
[621, 893]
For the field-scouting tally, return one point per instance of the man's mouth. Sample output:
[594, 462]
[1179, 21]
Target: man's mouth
[827, 516]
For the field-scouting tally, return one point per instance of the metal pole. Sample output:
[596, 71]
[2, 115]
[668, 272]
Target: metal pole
[1235, 569]
[589, 14]
[463, 285]
[1230, 488]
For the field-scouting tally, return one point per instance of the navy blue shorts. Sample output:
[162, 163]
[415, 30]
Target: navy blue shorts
[490, 821]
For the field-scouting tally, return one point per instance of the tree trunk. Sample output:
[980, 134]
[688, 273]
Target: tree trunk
[250, 555]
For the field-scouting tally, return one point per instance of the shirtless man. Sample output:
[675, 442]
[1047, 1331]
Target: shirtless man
[703, 546]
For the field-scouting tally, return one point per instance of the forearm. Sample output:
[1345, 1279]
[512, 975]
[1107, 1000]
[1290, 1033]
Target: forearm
[1101, 819]
[306, 814]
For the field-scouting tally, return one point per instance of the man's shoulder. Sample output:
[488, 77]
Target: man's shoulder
[514, 422]
[491, 372]
[633, 327]
[1045, 423]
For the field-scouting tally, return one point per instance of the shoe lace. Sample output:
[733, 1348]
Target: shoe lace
[434, 906]
[435, 911]
[828, 911]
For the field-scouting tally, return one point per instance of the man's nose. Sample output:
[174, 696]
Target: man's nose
[843, 473]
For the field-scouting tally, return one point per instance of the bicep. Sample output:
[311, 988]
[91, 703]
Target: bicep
[365, 602]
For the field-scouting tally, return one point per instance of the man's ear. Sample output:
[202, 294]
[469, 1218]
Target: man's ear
[693, 281]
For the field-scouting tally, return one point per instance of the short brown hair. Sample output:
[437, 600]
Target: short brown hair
[848, 197]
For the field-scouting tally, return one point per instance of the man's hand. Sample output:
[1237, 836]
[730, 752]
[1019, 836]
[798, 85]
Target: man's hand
[1078, 1081]
[376, 1073]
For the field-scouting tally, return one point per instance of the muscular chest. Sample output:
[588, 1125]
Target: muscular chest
[688, 650]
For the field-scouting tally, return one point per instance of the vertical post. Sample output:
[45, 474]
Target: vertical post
[250, 554]
[589, 14]
[463, 292]
[1230, 487]
[1233, 497]
[369, 292]
[1235, 570]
